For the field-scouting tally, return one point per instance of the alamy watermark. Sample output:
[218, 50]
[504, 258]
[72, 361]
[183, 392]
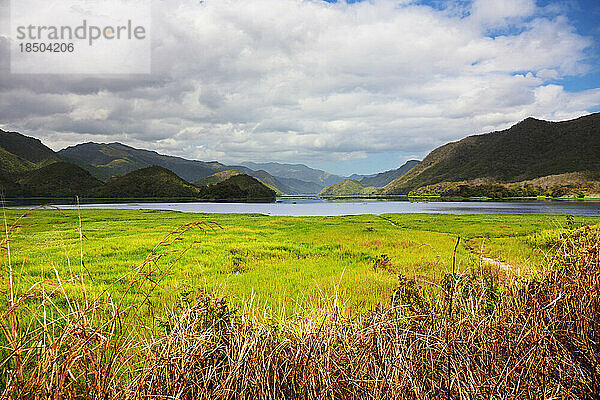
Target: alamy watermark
[80, 36]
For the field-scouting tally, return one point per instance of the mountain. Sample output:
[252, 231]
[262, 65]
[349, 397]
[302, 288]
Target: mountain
[347, 187]
[106, 160]
[27, 148]
[159, 182]
[31, 169]
[383, 178]
[296, 186]
[296, 171]
[60, 179]
[528, 150]
[217, 177]
[147, 182]
[118, 159]
[238, 187]
[13, 164]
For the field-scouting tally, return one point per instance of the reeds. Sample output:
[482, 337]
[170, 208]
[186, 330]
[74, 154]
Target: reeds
[482, 334]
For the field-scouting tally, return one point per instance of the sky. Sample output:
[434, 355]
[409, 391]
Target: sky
[348, 87]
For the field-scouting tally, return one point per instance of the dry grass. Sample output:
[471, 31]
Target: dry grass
[481, 334]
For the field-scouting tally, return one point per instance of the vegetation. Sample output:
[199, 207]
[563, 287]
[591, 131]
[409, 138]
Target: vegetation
[217, 177]
[159, 182]
[238, 187]
[574, 185]
[147, 182]
[453, 326]
[118, 159]
[30, 169]
[27, 148]
[530, 149]
[383, 178]
[60, 179]
[107, 160]
[532, 158]
[347, 187]
[284, 263]
[13, 164]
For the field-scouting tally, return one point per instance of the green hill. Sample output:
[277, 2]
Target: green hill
[217, 177]
[27, 148]
[147, 182]
[59, 179]
[9, 188]
[13, 164]
[28, 168]
[238, 187]
[159, 182]
[530, 149]
[347, 187]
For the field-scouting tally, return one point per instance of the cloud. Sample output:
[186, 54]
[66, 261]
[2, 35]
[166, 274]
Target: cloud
[311, 81]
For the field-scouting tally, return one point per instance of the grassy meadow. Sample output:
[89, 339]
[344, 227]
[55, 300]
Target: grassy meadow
[160, 304]
[280, 265]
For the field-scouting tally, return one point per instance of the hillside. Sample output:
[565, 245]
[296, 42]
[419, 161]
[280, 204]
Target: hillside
[298, 186]
[347, 187]
[386, 177]
[159, 182]
[60, 179]
[296, 171]
[530, 149]
[118, 159]
[147, 182]
[12, 164]
[27, 148]
[217, 177]
[238, 187]
[107, 160]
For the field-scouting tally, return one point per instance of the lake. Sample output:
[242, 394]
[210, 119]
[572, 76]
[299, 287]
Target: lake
[305, 206]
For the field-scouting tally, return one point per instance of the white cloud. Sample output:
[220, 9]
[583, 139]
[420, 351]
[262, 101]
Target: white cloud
[497, 13]
[294, 80]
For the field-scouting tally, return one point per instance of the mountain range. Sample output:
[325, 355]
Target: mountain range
[532, 157]
[28, 169]
[110, 159]
[530, 150]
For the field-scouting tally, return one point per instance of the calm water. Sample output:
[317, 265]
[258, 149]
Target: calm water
[313, 206]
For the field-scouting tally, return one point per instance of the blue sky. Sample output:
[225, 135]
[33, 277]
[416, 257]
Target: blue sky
[349, 88]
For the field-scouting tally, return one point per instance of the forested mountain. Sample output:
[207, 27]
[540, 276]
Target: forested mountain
[528, 150]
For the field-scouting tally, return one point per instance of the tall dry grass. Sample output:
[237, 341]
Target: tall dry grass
[480, 334]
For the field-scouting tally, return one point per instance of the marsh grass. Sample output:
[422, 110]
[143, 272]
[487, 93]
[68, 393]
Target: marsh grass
[478, 332]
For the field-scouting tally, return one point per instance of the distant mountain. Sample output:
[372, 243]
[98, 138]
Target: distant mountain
[296, 171]
[383, 178]
[147, 182]
[217, 177]
[106, 160]
[347, 187]
[359, 177]
[300, 187]
[60, 179]
[118, 159]
[530, 149]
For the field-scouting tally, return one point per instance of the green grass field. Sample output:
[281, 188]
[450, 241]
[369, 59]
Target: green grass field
[279, 265]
